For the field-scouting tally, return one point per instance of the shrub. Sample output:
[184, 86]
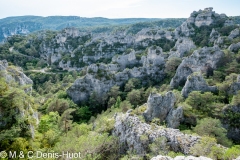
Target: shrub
[213, 128]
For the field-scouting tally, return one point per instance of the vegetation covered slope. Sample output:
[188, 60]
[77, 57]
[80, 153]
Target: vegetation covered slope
[85, 83]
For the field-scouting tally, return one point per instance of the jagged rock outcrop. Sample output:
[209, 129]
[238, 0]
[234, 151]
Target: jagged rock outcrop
[234, 34]
[195, 82]
[161, 107]
[155, 34]
[125, 59]
[234, 88]
[15, 74]
[205, 17]
[234, 47]
[203, 60]
[200, 18]
[101, 77]
[130, 131]
[155, 57]
[159, 157]
[214, 35]
[185, 30]
[174, 117]
[182, 46]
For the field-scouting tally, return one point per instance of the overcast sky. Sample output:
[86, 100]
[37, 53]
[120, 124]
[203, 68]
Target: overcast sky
[116, 8]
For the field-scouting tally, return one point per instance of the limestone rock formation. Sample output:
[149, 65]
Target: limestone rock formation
[15, 74]
[205, 17]
[130, 129]
[234, 34]
[161, 107]
[125, 59]
[182, 46]
[234, 88]
[214, 35]
[155, 57]
[195, 82]
[174, 117]
[149, 33]
[159, 157]
[101, 77]
[202, 60]
[234, 47]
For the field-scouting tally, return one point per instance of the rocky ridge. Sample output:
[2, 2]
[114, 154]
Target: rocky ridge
[15, 74]
[162, 107]
[101, 77]
[203, 60]
[131, 131]
[195, 82]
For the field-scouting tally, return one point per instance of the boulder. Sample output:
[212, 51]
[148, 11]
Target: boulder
[130, 129]
[195, 82]
[203, 60]
[161, 107]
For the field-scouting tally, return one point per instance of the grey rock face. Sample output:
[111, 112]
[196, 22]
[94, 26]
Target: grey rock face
[235, 33]
[234, 88]
[182, 46]
[201, 60]
[14, 74]
[205, 17]
[234, 47]
[3, 65]
[125, 59]
[159, 157]
[150, 66]
[161, 107]
[195, 82]
[175, 116]
[214, 35]
[149, 33]
[130, 129]
[184, 30]
[154, 57]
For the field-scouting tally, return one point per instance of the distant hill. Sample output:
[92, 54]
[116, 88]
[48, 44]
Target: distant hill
[27, 24]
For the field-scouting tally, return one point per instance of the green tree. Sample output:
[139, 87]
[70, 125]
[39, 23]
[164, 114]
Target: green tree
[202, 103]
[65, 121]
[134, 97]
[172, 65]
[213, 128]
